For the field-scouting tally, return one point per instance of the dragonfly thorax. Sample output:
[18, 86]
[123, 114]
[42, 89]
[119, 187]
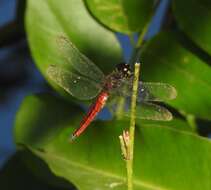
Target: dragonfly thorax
[123, 70]
[115, 79]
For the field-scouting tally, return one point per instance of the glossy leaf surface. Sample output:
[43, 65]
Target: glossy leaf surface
[163, 155]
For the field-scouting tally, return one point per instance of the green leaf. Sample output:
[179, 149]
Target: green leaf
[193, 18]
[46, 20]
[122, 16]
[58, 113]
[165, 158]
[175, 123]
[165, 60]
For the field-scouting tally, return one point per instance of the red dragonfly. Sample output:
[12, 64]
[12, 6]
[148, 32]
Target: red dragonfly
[81, 78]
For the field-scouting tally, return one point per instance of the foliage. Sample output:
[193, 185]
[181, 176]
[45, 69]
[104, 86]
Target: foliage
[168, 155]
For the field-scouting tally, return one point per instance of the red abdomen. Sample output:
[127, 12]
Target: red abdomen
[94, 109]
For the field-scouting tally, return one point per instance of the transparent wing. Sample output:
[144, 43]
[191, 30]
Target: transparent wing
[73, 59]
[148, 91]
[76, 85]
[150, 111]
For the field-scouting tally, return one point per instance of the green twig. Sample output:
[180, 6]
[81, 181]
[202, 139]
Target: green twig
[129, 161]
[142, 35]
[133, 59]
[137, 48]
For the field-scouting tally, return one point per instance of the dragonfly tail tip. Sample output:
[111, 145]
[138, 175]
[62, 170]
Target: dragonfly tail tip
[72, 138]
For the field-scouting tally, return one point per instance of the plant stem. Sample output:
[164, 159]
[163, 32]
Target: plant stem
[137, 48]
[142, 35]
[133, 59]
[129, 162]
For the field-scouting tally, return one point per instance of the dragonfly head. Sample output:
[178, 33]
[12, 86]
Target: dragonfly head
[124, 70]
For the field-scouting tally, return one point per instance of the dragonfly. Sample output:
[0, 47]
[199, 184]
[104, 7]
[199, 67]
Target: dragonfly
[81, 78]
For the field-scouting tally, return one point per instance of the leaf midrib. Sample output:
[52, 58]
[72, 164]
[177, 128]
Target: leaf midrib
[94, 170]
